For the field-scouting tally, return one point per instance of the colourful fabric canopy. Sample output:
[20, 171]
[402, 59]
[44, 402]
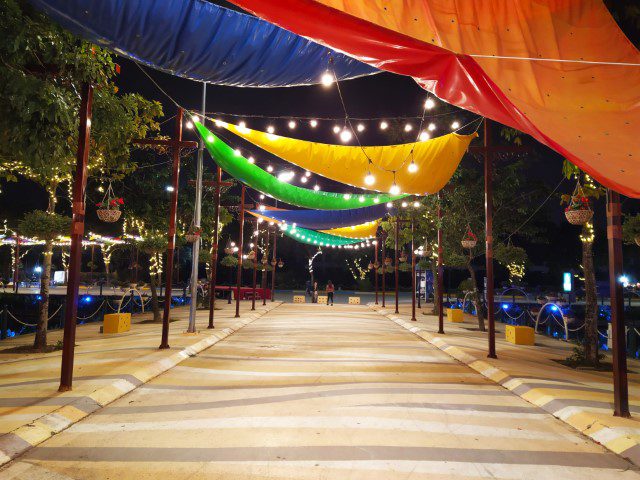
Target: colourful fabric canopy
[328, 219]
[199, 40]
[310, 237]
[232, 162]
[364, 230]
[436, 160]
[499, 58]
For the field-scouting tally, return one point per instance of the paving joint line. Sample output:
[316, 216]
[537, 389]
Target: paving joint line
[623, 441]
[24, 438]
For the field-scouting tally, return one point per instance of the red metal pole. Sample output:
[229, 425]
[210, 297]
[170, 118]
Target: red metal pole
[77, 231]
[488, 210]
[16, 270]
[263, 278]
[618, 331]
[171, 234]
[240, 246]
[397, 272]
[375, 270]
[274, 263]
[214, 251]
[255, 266]
[384, 269]
[440, 269]
[413, 277]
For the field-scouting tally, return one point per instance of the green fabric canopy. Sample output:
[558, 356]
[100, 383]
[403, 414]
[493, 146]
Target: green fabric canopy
[311, 237]
[255, 177]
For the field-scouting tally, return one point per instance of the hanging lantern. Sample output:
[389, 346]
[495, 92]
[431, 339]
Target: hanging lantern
[387, 261]
[280, 264]
[579, 210]
[228, 249]
[109, 208]
[469, 240]
[403, 257]
[193, 234]
[251, 255]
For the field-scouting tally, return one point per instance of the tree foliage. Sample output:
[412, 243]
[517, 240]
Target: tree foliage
[44, 226]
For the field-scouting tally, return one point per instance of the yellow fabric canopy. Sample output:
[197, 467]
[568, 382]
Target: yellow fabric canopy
[436, 160]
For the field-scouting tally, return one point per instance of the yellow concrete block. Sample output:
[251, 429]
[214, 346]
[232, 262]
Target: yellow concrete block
[322, 299]
[455, 315]
[116, 323]
[299, 299]
[519, 335]
[354, 300]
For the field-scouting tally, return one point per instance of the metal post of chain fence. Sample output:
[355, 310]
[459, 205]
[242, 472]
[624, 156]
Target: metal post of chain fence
[3, 324]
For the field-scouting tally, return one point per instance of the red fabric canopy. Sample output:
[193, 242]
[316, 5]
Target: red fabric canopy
[590, 113]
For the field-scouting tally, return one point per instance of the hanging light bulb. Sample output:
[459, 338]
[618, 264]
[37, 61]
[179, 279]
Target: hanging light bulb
[307, 173]
[360, 127]
[376, 200]
[346, 196]
[262, 196]
[196, 118]
[369, 179]
[395, 189]
[404, 204]
[431, 127]
[270, 129]
[361, 199]
[242, 126]
[303, 179]
[413, 168]
[316, 187]
[292, 124]
[313, 123]
[424, 136]
[408, 127]
[189, 125]
[261, 208]
[210, 138]
[336, 129]
[384, 125]
[416, 204]
[251, 160]
[389, 205]
[346, 135]
[326, 79]
[455, 125]
[286, 176]
[429, 103]
[269, 168]
[237, 152]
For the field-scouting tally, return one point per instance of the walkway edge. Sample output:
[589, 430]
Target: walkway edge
[619, 440]
[24, 438]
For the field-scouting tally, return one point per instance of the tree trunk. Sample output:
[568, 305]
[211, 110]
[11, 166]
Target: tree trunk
[591, 305]
[40, 341]
[434, 270]
[155, 306]
[476, 295]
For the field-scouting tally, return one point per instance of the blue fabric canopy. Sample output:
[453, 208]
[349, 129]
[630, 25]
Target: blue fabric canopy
[328, 219]
[202, 41]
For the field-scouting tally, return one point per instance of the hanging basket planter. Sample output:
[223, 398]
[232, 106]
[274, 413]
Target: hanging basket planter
[280, 264]
[251, 255]
[109, 215]
[579, 210]
[387, 261]
[469, 240]
[109, 208]
[402, 257]
[273, 262]
[637, 240]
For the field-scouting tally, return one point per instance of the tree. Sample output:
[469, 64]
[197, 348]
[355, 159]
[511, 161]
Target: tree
[46, 226]
[631, 229]
[591, 190]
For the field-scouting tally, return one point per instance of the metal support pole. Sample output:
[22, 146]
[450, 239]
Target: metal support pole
[263, 278]
[214, 251]
[77, 231]
[397, 272]
[255, 266]
[171, 234]
[440, 269]
[488, 209]
[375, 270]
[197, 214]
[618, 331]
[16, 270]
[413, 277]
[274, 263]
[384, 269]
[240, 250]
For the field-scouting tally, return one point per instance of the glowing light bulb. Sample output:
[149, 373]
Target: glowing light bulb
[394, 190]
[261, 208]
[262, 196]
[408, 127]
[429, 103]
[292, 124]
[346, 136]
[346, 196]
[313, 123]
[251, 160]
[316, 187]
[424, 136]
[237, 152]
[210, 139]
[269, 168]
[327, 79]
[361, 199]
[376, 200]
[404, 204]
[242, 126]
[189, 125]
[303, 179]
[431, 127]
[286, 176]
[416, 204]
[413, 168]
[196, 118]
[307, 173]
[271, 129]
[360, 127]
[389, 204]
[455, 125]
[336, 129]
[369, 179]
[169, 188]
[384, 125]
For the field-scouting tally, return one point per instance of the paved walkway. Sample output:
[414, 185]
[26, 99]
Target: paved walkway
[318, 392]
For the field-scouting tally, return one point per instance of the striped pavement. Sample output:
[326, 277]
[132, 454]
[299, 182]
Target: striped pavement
[318, 392]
